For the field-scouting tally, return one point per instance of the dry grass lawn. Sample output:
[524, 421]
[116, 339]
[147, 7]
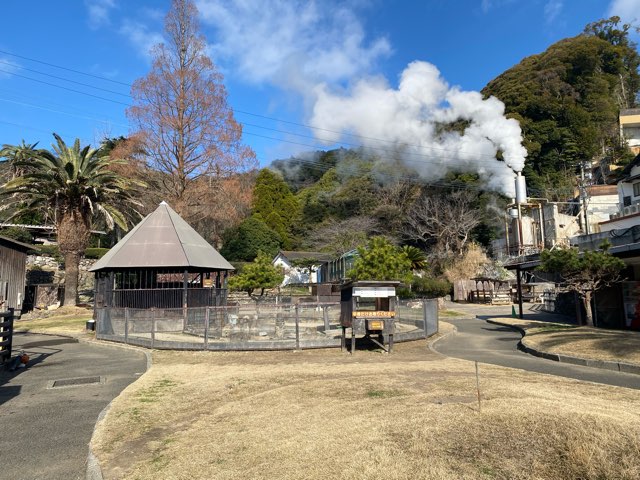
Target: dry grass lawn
[584, 342]
[323, 414]
[64, 320]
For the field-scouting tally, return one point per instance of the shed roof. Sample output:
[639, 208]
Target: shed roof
[162, 239]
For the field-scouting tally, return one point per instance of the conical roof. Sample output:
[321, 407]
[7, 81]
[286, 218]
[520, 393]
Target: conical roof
[162, 239]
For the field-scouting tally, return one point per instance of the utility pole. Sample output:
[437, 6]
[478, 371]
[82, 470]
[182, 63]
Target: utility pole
[583, 199]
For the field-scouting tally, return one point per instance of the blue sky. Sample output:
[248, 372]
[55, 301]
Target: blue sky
[279, 58]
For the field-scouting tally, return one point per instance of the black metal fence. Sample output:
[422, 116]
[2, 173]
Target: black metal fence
[167, 297]
[6, 334]
[249, 327]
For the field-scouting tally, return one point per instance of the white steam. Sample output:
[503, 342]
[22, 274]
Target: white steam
[405, 121]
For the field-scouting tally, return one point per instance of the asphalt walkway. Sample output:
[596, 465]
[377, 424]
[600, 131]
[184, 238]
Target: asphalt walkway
[478, 340]
[46, 425]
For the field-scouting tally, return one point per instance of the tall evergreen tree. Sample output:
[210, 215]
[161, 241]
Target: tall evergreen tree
[274, 203]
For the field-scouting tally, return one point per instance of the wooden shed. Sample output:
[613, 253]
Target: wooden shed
[13, 273]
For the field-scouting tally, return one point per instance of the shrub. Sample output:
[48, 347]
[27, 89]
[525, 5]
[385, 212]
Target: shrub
[17, 233]
[95, 252]
[51, 251]
[429, 287]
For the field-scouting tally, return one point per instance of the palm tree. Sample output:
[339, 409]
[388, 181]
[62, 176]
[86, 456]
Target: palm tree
[75, 186]
[416, 256]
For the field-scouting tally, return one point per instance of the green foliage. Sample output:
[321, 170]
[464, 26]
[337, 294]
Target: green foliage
[17, 233]
[303, 172]
[259, 275]
[54, 251]
[567, 101]
[95, 252]
[417, 257]
[276, 205]
[381, 260]
[584, 272]
[428, 287]
[247, 239]
[581, 271]
[51, 251]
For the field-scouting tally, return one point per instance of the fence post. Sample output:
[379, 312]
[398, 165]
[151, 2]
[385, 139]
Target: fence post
[297, 308]
[153, 327]
[207, 315]
[430, 315]
[126, 325]
[325, 317]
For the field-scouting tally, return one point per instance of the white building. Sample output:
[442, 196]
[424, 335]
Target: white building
[630, 128]
[294, 272]
[628, 186]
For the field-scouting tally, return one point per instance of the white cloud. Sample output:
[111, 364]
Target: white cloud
[291, 44]
[552, 9]
[140, 36]
[627, 10]
[406, 119]
[99, 12]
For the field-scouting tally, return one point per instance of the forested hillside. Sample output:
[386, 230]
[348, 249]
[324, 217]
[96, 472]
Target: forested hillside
[567, 100]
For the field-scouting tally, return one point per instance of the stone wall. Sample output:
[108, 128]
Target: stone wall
[47, 270]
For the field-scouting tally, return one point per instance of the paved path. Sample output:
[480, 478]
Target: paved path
[481, 341]
[44, 431]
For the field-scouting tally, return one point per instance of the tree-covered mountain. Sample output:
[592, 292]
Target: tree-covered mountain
[567, 100]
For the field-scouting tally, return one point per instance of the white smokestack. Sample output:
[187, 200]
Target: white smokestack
[406, 120]
[521, 189]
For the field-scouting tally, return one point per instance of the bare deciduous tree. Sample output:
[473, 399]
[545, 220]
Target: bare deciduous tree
[339, 237]
[181, 111]
[444, 221]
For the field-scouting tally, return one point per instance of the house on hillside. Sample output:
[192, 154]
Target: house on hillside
[13, 273]
[630, 128]
[300, 267]
[628, 188]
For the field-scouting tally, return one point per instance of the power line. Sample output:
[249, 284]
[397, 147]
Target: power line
[66, 80]
[347, 134]
[65, 68]
[62, 112]
[64, 88]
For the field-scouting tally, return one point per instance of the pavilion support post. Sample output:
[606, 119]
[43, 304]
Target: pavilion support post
[185, 286]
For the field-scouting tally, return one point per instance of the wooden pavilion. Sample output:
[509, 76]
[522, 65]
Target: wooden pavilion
[161, 263]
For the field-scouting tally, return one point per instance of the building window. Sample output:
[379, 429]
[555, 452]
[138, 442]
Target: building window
[636, 189]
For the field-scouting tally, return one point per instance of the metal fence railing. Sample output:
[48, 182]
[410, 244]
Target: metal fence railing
[249, 327]
[167, 297]
[6, 334]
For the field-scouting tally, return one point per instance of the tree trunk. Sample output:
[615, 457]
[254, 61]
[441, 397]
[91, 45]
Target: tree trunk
[71, 263]
[587, 307]
[73, 237]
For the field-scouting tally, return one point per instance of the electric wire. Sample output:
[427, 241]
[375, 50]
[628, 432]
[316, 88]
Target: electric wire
[64, 68]
[343, 134]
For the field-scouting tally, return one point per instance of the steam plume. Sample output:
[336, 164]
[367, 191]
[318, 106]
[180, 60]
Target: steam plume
[407, 120]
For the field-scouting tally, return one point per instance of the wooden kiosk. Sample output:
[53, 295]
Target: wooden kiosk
[368, 308]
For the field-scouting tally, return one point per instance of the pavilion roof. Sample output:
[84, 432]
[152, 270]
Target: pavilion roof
[162, 239]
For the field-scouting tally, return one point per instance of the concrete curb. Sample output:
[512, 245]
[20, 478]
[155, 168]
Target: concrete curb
[431, 343]
[561, 358]
[94, 471]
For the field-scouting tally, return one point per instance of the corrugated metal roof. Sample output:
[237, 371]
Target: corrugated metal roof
[162, 239]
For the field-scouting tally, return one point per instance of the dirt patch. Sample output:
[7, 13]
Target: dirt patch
[327, 414]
